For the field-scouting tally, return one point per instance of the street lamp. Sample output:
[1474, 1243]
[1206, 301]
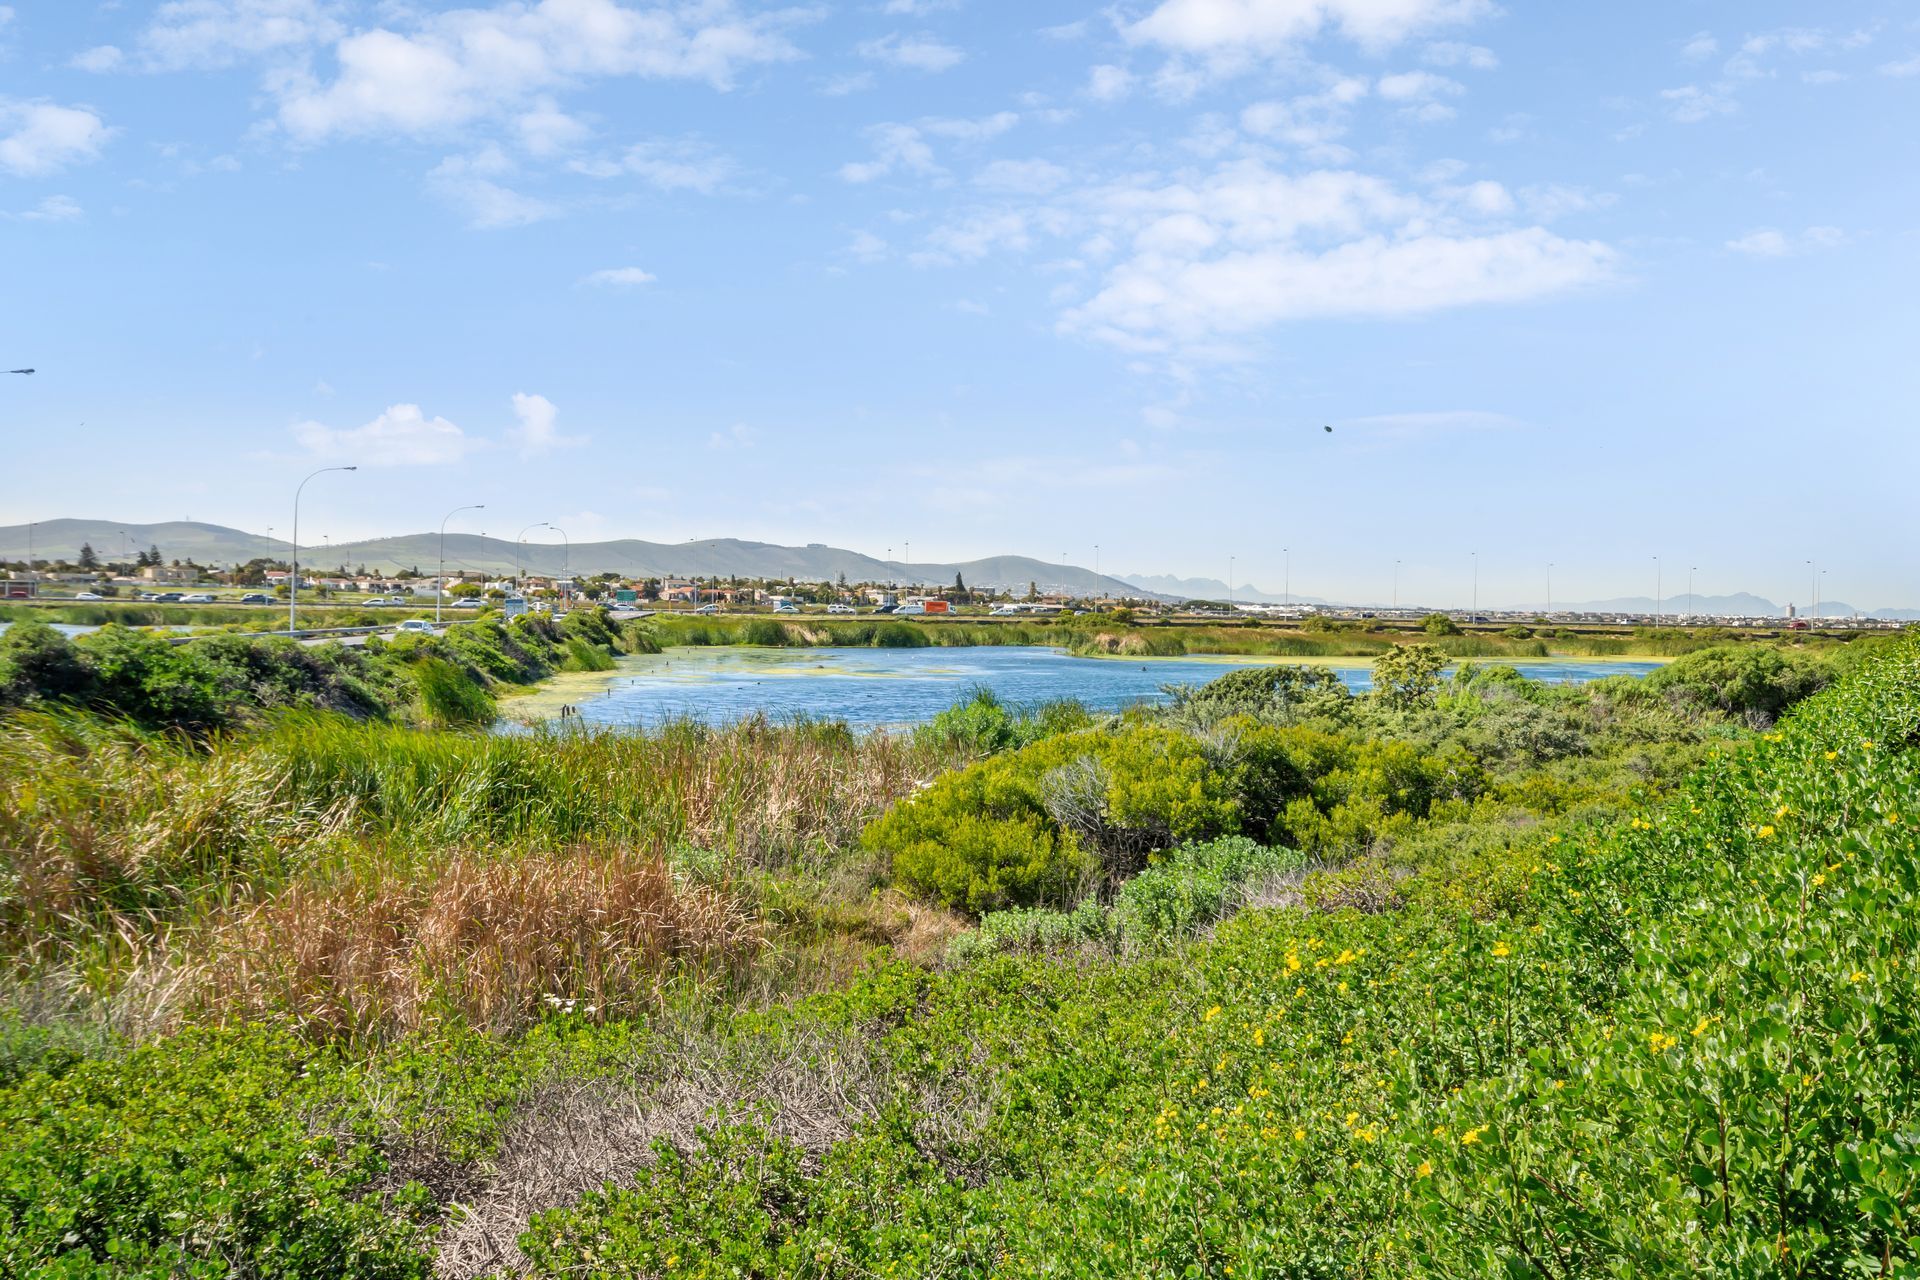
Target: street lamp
[1396, 586]
[1230, 582]
[1813, 577]
[1691, 570]
[1549, 588]
[566, 557]
[440, 582]
[520, 556]
[1286, 591]
[293, 578]
[1656, 591]
[1476, 586]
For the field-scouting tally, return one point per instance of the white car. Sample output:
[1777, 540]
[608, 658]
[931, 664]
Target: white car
[415, 626]
[785, 608]
[708, 608]
[199, 597]
[839, 608]
[88, 595]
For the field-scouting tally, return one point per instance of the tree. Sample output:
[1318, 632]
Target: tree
[1407, 675]
[89, 562]
[1439, 624]
[1033, 590]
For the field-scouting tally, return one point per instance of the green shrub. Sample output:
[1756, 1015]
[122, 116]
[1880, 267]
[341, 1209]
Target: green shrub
[448, 696]
[202, 1155]
[1031, 827]
[1750, 681]
[1283, 694]
[1407, 675]
[1439, 624]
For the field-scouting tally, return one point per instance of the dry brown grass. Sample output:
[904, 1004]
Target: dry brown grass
[494, 942]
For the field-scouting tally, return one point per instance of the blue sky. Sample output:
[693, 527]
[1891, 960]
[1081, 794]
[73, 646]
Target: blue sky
[1580, 284]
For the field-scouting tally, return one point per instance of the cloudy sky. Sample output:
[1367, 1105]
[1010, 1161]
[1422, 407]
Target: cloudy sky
[1572, 283]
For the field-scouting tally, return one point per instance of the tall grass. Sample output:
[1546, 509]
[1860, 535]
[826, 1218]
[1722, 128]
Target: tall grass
[100, 821]
[490, 943]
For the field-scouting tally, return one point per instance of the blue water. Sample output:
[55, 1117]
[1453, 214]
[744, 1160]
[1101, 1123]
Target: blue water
[903, 686]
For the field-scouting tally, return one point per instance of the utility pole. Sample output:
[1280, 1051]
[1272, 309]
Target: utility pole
[1476, 586]
[1656, 591]
[1396, 586]
[566, 558]
[1230, 582]
[293, 577]
[1549, 588]
[1286, 592]
[440, 583]
[520, 557]
[1813, 591]
[1691, 570]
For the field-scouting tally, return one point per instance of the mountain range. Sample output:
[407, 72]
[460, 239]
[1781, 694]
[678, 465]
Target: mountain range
[213, 544]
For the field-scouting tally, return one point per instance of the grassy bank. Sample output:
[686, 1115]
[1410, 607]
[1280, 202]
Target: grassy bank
[1096, 635]
[1274, 979]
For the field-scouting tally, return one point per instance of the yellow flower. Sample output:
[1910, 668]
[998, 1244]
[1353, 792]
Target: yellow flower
[1700, 1027]
[1425, 1170]
[1766, 833]
[1819, 878]
[1210, 1014]
[1660, 1040]
[1472, 1136]
[1833, 755]
[1858, 976]
[1299, 1135]
[1259, 1037]
[1781, 812]
[1501, 949]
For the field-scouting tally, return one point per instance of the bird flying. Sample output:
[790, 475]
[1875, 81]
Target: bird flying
[19, 371]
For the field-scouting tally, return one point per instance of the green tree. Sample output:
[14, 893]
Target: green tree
[1439, 624]
[1408, 675]
[88, 560]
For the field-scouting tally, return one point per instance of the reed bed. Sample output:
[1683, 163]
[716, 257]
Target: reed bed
[491, 943]
[101, 822]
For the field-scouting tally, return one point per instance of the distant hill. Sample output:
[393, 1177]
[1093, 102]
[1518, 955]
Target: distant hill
[716, 557]
[1166, 584]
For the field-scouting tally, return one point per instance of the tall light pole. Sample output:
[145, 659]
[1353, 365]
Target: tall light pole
[520, 555]
[1476, 585]
[1691, 570]
[1396, 586]
[1656, 591]
[1549, 588]
[293, 578]
[1813, 590]
[440, 583]
[1286, 592]
[566, 556]
[1230, 582]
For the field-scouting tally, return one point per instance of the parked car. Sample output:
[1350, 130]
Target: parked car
[840, 608]
[256, 597]
[785, 608]
[167, 597]
[887, 608]
[198, 597]
[88, 595]
[415, 626]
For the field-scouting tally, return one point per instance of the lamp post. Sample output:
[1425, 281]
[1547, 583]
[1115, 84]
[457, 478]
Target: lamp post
[1813, 589]
[1230, 582]
[1656, 591]
[520, 556]
[1691, 570]
[1286, 591]
[566, 557]
[440, 582]
[1549, 588]
[1396, 586]
[293, 577]
[1476, 586]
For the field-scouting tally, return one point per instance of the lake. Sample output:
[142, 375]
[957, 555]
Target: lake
[902, 686]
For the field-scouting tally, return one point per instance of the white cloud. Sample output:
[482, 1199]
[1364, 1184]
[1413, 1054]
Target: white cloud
[1238, 27]
[1030, 177]
[1768, 243]
[971, 128]
[1700, 47]
[41, 137]
[738, 436]
[895, 146]
[403, 436]
[1692, 103]
[848, 82]
[467, 183]
[546, 130]
[52, 209]
[536, 431]
[667, 164]
[1313, 122]
[619, 277]
[867, 247]
[455, 68]
[1194, 263]
[1452, 53]
[1910, 67]
[917, 52]
[1108, 83]
[1413, 86]
[916, 8]
[205, 34]
[100, 58]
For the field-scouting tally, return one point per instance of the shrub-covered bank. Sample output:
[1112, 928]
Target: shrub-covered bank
[1480, 977]
[224, 680]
